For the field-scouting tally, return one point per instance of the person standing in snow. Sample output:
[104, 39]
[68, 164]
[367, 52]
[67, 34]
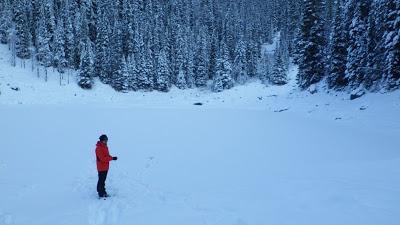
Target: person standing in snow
[103, 159]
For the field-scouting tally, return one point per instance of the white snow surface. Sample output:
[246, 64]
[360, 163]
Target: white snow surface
[252, 155]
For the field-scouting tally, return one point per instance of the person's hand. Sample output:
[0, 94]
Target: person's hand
[115, 158]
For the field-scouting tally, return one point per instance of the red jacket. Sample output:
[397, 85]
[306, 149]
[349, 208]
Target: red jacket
[103, 157]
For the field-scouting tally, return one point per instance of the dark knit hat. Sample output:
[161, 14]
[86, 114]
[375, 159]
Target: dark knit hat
[103, 137]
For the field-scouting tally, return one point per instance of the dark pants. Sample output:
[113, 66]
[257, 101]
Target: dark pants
[102, 183]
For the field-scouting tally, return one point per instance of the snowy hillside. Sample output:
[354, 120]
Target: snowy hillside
[248, 156]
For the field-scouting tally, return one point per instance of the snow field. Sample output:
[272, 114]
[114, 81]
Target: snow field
[248, 156]
[223, 167]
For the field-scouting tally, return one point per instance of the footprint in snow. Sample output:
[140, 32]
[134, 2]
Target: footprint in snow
[3, 165]
[6, 219]
[240, 222]
[104, 212]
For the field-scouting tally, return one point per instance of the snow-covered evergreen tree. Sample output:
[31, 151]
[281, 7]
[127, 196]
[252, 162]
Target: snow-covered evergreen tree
[102, 44]
[392, 44]
[68, 39]
[190, 77]
[44, 53]
[162, 82]
[116, 57]
[20, 18]
[181, 80]
[128, 32]
[145, 70]
[294, 17]
[265, 68]
[5, 20]
[132, 81]
[81, 31]
[356, 67]
[86, 70]
[91, 16]
[180, 53]
[279, 71]
[375, 47]
[59, 60]
[200, 64]
[252, 57]
[239, 67]
[212, 56]
[311, 45]
[337, 73]
[121, 82]
[223, 79]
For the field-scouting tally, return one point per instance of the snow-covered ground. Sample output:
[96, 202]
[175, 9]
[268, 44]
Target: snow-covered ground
[248, 156]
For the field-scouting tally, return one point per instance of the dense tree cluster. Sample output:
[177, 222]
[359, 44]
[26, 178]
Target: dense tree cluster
[352, 44]
[154, 44]
[143, 44]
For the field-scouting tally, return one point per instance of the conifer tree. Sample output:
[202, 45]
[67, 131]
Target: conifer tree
[338, 55]
[279, 71]
[59, 60]
[181, 80]
[86, 66]
[5, 20]
[121, 82]
[312, 43]
[356, 67]
[223, 79]
[239, 67]
[163, 73]
[68, 39]
[392, 44]
[20, 18]
[200, 65]
[44, 54]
